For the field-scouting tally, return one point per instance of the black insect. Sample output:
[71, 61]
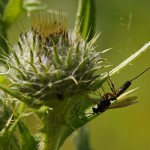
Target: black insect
[109, 97]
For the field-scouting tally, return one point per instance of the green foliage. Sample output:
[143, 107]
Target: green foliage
[12, 11]
[7, 137]
[85, 20]
[28, 141]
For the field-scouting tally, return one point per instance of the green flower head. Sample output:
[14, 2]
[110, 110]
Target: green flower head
[51, 63]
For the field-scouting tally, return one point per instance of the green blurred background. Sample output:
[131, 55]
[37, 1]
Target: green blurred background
[125, 27]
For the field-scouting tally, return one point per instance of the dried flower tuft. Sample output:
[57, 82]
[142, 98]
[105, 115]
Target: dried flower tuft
[49, 25]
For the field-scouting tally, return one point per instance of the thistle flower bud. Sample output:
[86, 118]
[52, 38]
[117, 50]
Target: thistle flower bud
[51, 63]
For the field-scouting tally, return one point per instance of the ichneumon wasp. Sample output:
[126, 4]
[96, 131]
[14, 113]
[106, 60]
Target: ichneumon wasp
[108, 98]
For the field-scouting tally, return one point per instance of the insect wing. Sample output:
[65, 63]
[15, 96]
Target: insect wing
[123, 102]
[126, 94]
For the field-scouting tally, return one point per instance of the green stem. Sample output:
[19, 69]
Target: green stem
[52, 131]
[53, 127]
[82, 140]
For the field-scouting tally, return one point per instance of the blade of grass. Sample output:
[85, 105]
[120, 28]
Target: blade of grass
[141, 51]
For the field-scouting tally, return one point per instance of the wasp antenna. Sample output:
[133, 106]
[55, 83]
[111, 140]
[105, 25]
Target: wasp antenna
[140, 74]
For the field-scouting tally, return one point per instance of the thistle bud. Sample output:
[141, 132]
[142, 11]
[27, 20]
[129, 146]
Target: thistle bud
[52, 63]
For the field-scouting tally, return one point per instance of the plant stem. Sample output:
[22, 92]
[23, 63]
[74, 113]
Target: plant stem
[52, 131]
[53, 127]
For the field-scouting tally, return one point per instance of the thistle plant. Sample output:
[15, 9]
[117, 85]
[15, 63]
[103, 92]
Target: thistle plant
[51, 70]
